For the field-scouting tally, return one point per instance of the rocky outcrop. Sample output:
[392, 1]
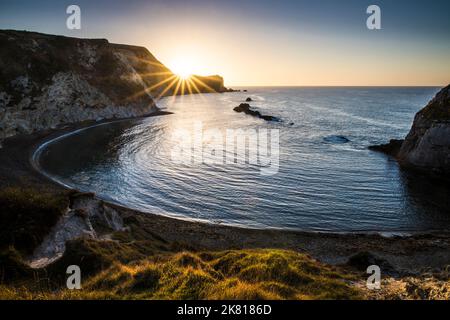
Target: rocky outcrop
[427, 145]
[86, 217]
[208, 84]
[392, 148]
[245, 108]
[48, 80]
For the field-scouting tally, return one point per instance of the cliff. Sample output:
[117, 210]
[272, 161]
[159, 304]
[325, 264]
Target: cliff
[48, 80]
[427, 145]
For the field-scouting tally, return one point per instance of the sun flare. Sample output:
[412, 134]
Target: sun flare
[184, 67]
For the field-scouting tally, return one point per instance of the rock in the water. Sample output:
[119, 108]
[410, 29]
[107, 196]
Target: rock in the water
[392, 148]
[336, 139]
[427, 146]
[249, 99]
[245, 108]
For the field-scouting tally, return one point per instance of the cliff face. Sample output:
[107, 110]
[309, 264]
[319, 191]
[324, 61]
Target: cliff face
[48, 80]
[427, 146]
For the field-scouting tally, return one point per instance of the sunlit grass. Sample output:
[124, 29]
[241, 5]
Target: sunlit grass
[236, 274]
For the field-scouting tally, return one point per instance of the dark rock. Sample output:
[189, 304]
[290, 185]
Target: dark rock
[249, 99]
[364, 259]
[336, 139]
[245, 108]
[427, 145]
[270, 118]
[392, 148]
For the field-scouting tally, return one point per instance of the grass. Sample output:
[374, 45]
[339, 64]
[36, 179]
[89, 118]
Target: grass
[236, 274]
[137, 264]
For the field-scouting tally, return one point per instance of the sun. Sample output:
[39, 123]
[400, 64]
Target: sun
[183, 67]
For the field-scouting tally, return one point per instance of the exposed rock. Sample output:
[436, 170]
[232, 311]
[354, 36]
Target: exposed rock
[86, 217]
[245, 108]
[427, 146]
[249, 99]
[392, 148]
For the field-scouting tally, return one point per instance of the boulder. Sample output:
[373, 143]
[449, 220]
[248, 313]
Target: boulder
[364, 259]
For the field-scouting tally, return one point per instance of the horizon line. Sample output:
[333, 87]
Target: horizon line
[338, 86]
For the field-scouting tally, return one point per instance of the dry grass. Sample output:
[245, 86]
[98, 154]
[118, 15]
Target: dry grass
[239, 274]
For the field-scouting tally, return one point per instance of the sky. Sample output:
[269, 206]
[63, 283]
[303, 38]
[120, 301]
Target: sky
[266, 43]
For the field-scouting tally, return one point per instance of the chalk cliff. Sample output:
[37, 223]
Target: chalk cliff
[48, 80]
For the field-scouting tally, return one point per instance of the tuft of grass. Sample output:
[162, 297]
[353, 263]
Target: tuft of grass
[146, 279]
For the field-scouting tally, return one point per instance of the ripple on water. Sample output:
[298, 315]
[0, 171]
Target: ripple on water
[327, 179]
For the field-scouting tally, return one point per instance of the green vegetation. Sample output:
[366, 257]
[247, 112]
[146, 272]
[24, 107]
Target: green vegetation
[236, 274]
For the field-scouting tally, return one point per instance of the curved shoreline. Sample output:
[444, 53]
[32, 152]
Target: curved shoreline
[408, 253]
[35, 162]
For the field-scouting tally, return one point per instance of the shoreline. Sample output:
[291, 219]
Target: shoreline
[408, 255]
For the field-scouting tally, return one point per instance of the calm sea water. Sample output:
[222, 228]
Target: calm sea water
[322, 184]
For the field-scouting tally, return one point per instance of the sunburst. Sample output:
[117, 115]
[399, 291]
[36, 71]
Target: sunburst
[179, 81]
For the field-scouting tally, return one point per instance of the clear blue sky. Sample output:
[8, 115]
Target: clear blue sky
[260, 42]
